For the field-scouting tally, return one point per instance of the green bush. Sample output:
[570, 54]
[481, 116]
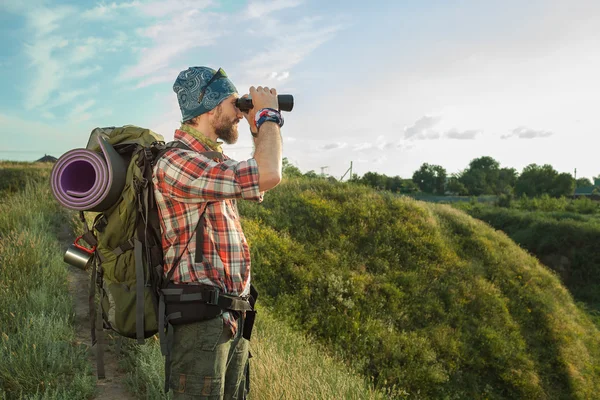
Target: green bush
[583, 205]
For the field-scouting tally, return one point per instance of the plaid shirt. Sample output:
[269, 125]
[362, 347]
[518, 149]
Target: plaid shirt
[183, 181]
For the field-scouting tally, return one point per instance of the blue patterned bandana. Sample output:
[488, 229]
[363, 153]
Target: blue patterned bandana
[200, 89]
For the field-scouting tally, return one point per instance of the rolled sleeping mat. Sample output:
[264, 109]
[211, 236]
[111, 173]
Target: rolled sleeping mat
[86, 180]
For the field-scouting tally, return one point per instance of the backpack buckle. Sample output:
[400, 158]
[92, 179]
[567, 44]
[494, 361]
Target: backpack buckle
[148, 154]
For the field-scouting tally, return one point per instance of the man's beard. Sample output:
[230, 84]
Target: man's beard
[225, 130]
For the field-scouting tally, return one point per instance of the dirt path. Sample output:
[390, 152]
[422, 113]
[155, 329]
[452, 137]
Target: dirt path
[112, 387]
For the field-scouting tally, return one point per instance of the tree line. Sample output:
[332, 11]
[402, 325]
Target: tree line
[483, 176]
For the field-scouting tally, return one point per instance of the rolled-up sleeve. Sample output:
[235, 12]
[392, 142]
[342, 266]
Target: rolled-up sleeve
[190, 177]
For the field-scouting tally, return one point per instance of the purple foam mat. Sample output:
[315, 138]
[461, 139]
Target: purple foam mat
[86, 180]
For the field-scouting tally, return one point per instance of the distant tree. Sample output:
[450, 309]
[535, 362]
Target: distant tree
[482, 176]
[430, 178]
[311, 174]
[408, 186]
[582, 182]
[394, 184]
[536, 180]
[456, 186]
[289, 170]
[507, 179]
[564, 185]
[374, 180]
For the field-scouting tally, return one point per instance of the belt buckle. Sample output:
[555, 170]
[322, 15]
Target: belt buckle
[214, 297]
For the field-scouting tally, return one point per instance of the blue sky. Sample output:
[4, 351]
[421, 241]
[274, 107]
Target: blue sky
[387, 85]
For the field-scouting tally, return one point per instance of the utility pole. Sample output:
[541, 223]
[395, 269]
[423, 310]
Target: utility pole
[349, 169]
[323, 171]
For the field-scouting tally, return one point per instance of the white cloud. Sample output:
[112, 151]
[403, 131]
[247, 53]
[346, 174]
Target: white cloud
[423, 129]
[87, 49]
[79, 113]
[288, 51]
[280, 76]
[171, 39]
[48, 70]
[363, 146]
[64, 98]
[463, 135]
[262, 8]
[85, 72]
[165, 76]
[333, 146]
[56, 51]
[45, 20]
[168, 7]
[526, 133]
[108, 11]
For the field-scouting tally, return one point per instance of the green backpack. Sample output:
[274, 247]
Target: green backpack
[135, 299]
[127, 267]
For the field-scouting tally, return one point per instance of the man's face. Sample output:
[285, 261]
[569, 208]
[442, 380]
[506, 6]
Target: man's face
[225, 120]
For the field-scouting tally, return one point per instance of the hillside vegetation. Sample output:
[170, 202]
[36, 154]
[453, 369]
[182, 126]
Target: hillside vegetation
[565, 241]
[425, 299]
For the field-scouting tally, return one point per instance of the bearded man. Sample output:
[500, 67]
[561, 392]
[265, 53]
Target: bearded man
[202, 238]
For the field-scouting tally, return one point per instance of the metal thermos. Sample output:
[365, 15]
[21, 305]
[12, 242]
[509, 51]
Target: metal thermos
[79, 256]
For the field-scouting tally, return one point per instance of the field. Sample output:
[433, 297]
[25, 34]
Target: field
[363, 295]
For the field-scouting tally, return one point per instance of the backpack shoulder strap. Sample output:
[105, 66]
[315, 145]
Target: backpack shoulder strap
[213, 155]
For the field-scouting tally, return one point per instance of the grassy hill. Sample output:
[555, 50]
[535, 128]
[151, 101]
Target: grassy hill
[424, 300]
[422, 297]
[567, 242]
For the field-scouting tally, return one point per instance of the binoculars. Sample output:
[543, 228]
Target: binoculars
[286, 102]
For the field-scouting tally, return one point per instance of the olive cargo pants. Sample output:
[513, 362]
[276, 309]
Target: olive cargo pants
[207, 362]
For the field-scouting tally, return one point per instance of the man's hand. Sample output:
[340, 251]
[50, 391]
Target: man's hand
[268, 143]
[262, 97]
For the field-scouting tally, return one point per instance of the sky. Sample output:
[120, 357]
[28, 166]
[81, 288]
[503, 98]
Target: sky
[383, 85]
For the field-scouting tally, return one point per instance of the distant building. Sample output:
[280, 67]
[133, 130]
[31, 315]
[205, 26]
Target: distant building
[47, 158]
[588, 191]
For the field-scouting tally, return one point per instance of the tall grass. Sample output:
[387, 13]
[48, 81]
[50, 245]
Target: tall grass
[40, 357]
[15, 175]
[285, 365]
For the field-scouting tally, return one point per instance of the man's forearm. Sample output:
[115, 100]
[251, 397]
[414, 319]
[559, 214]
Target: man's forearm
[268, 156]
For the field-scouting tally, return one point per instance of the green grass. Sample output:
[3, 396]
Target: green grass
[564, 241]
[40, 358]
[14, 176]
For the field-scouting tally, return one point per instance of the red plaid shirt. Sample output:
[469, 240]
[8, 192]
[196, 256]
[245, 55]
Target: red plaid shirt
[183, 181]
